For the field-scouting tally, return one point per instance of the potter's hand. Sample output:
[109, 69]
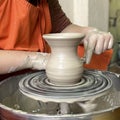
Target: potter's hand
[97, 42]
[38, 61]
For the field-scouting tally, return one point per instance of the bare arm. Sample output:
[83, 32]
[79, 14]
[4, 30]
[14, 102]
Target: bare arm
[76, 28]
[11, 61]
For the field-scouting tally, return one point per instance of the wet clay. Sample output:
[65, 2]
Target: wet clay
[64, 66]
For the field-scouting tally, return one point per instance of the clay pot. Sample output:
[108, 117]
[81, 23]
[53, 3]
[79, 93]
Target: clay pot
[64, 66]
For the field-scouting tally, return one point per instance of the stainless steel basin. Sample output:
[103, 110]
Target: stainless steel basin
[16, 106]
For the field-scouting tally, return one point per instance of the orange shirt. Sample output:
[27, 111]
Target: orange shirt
[22, 25]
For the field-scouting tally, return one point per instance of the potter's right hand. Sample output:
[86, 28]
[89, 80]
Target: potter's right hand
[97, 42]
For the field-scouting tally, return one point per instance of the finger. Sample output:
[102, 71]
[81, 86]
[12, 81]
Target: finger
[107, 38]
[99, 44]
[91, 43]
[85, 42]
[110, 42]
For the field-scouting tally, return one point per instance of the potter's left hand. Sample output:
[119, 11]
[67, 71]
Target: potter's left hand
[97, 42]
[38, 61]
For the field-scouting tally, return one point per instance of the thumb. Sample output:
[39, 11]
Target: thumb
[89, 49]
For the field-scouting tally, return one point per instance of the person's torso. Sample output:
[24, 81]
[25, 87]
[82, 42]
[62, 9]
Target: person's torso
[22, 25]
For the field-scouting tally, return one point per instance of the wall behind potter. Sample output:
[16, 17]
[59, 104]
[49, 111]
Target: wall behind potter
[87, 12]
[114, 25]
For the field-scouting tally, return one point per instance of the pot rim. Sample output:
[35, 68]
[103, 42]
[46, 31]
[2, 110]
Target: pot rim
[63, 35]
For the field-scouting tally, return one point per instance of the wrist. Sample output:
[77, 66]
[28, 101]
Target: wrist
[93, 30]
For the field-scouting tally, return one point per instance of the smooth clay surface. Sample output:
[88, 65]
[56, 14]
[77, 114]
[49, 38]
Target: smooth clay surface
[64, 66]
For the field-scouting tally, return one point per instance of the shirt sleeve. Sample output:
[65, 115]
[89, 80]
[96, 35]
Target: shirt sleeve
[58, 17]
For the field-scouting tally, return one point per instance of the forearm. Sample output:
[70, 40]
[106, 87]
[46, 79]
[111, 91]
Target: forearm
[79, 29]
[11, 61]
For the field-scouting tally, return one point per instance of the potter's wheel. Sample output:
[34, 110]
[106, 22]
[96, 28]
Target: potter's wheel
[14, 104]
[93, 84]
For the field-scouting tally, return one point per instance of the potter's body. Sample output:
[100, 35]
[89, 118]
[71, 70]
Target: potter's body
[23, 22]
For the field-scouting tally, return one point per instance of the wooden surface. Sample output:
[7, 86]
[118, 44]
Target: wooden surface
[114, 68]
[115, 115]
